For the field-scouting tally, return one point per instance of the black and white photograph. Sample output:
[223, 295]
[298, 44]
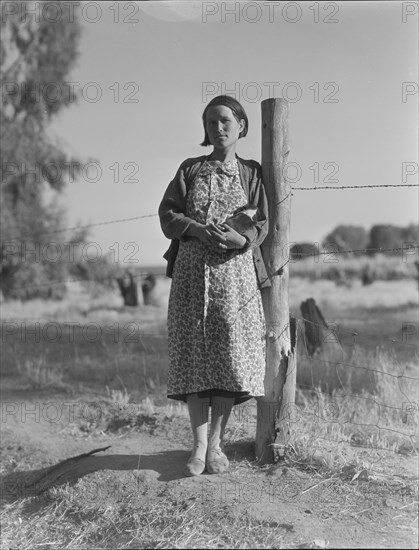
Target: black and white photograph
[209, 274]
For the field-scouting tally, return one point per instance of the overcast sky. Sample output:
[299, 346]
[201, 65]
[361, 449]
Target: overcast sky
[348, 69]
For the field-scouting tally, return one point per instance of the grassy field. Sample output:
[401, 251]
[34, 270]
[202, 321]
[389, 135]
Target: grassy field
[331, 266]
[354, 436]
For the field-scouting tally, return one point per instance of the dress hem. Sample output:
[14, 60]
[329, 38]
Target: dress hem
[239, 397]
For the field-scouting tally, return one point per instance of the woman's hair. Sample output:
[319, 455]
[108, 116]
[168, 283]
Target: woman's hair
[238, 112]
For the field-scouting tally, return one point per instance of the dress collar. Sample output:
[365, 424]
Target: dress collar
[229, 168]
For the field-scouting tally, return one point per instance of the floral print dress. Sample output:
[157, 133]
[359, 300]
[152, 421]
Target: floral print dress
[216, 325]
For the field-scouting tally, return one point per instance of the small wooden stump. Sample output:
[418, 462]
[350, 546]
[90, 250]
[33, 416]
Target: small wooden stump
[315, 325]
[321, 339]
[128, 290]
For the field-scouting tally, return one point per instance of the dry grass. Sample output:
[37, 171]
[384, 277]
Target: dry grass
[36, 373]
[334, 436]
[380, 294]
[87, 303]
[383, 266]
[127, 513]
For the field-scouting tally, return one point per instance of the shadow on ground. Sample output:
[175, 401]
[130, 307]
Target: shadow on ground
[30, 483]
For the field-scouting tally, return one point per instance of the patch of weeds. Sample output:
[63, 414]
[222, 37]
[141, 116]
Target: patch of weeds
[36, 374]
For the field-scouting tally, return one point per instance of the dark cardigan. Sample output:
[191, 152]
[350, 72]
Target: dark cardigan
[174, 222]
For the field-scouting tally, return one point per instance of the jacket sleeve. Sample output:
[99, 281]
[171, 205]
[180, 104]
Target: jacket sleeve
[256, 234]
[173, 219]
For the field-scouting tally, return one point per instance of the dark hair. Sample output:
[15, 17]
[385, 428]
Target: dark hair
[238, 112]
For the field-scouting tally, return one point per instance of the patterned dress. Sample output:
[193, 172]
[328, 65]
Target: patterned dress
[216, 325]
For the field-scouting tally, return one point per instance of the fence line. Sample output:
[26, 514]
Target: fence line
[83, 227]
[334, 416]
[165, 334]
[361, 445]
[97, 279]
[14, 319]
[408, 408]
[348, 331]
[297, 258]
[317, 188]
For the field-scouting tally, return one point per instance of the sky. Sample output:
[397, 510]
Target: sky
[146, 70]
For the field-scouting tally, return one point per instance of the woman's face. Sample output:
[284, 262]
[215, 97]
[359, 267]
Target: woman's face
[222, 127]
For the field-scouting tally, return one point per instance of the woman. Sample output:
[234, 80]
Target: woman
[216, 326]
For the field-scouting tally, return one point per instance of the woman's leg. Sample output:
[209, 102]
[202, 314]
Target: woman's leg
[220, 413]
[198, 413]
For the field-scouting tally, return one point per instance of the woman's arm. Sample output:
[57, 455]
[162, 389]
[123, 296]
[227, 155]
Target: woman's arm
[257, 234]
[173, 221]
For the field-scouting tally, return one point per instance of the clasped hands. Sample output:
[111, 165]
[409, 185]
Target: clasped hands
[219, 237]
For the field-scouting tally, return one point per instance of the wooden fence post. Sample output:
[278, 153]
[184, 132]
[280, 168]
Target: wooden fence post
[275, 409]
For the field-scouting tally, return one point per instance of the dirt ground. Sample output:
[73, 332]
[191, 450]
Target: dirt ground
[366, 509]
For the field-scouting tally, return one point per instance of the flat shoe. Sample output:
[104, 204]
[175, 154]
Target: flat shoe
[194, 467]
[217, 462]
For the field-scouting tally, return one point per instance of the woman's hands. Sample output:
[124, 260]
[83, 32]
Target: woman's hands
[228, 236]
[220, 237]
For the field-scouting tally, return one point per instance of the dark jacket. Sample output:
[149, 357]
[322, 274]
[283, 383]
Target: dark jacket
[174, 222]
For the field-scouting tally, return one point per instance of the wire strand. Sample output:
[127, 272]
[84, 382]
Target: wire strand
[76, 227]
[327, 187]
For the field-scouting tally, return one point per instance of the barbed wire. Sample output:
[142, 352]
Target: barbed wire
[364, 445]
[123, 220]
[339, 329]
[77, 227]
[317, 188]
[368, 369]
[353, 333]
[165, 335]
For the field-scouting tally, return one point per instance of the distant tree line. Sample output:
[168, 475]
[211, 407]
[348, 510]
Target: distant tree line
[351, 237]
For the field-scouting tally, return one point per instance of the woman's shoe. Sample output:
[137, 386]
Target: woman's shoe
[217, 462]
[194, 467]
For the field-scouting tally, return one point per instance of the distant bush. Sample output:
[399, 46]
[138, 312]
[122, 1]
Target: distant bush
[302, 250]
[345, 237]
[391, 236]
[103, 271]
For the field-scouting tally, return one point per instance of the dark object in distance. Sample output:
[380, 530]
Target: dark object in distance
[128, 290]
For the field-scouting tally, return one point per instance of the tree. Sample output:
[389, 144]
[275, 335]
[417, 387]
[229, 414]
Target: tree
[346, 237]
[411, 234]
[391, 236]
[36, 56]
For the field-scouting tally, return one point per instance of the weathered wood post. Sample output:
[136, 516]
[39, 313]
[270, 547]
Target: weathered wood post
[275, 409]
[315, 326]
